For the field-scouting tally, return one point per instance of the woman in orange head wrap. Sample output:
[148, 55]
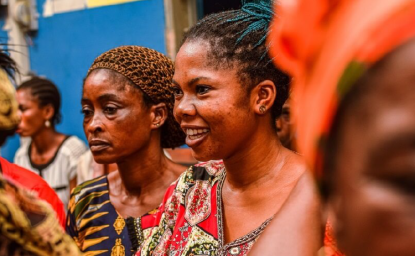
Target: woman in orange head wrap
[353, 65]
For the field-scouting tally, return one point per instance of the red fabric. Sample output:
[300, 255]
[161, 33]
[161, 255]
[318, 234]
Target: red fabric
[33, 182]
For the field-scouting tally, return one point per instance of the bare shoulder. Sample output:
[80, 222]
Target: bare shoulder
[295, 161]
[296, 229]
[304, 194]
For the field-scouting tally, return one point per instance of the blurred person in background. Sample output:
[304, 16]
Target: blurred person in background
[28, 226]
[354, 69]
[127, 102]
[51, 154]
[9, 121]
[228, 94]
[286, 128]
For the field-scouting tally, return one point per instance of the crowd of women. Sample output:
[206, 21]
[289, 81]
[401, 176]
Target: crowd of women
[347, 68]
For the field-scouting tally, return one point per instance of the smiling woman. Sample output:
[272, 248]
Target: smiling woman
[227, 96]
[127, 105]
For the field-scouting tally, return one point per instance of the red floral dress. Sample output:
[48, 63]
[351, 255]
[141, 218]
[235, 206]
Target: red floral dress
[189, 221]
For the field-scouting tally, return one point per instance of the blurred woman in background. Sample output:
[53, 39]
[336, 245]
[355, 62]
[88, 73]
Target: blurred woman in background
[354, 90]
[51, 154]
[28, 225]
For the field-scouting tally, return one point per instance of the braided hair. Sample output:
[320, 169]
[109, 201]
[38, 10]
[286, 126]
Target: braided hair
[237, 38]
[46, 93]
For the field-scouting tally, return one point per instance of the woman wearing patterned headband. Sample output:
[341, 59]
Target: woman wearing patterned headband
[354, 69]
[128, 119]
[227, 96]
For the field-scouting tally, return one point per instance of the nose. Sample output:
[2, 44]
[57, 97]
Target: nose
[184, 108]
[278, 124]
[94, 125]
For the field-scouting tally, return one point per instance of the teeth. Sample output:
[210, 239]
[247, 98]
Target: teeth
[196, 131]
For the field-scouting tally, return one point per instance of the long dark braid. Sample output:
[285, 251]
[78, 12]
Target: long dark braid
[237, 39]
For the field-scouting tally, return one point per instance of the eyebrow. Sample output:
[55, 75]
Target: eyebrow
[397, 143]
[104, 97]
[194, 80]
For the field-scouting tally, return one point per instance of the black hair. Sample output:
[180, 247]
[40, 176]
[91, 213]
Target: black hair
[237, 39]
[46, 92]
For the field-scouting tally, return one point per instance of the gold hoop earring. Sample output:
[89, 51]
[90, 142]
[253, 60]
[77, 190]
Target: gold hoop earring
[262, 109]
[47, 123]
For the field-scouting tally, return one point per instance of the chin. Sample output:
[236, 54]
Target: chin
[205, 155]
[102, 159]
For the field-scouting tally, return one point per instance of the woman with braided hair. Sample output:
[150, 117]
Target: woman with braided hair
[127, 104]
[50, 154]
[227, 96]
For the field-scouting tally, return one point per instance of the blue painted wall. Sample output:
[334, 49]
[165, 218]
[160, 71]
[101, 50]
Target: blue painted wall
[66, 45]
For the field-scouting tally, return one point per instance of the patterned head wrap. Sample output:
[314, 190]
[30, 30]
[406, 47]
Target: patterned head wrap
[327, 45]
[8, 103]
[152, 72]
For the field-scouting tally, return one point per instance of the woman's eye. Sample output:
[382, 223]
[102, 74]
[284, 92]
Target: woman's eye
[177, 91]
[405, 184]
[110, 110]
[200, 89]
[87, 112]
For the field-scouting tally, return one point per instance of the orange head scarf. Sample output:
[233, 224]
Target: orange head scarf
[326, 45]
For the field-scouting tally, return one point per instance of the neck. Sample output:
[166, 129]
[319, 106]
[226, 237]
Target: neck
[143, 171]
[255, 162]
[44, 140]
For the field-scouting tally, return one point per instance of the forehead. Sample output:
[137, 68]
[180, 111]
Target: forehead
[25, 95]
[105, 80]
[382, 120]
[194, 59]
[390, 100]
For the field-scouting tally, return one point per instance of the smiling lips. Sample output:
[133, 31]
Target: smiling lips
[196, 133]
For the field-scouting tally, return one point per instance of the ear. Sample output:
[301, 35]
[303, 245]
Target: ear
[263, 95]
[158, 115]
[48, 111]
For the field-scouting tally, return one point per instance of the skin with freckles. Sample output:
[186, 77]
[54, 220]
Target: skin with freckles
[261, 175]
[121, 129]
[374, 181]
